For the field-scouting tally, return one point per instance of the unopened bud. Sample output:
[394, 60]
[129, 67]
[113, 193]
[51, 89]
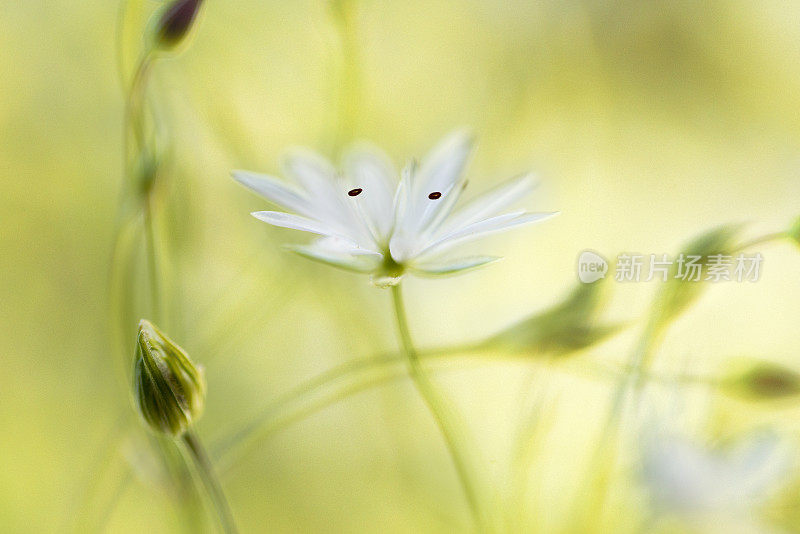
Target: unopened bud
[566, 328]
[169, 389]
[176, 21]
[763, 381]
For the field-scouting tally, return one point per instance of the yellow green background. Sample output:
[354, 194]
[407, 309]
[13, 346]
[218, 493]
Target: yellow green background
[646, 123]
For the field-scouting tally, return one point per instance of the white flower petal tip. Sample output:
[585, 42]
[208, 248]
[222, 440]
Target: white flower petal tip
[542, 216]
[373, 220]
[293, 222]
[274, 190]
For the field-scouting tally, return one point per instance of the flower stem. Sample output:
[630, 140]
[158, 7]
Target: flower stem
[209, 478]
[152, 259]
[350, 77]
[766, 238]
[439, 410]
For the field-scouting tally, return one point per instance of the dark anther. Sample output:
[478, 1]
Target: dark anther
[435, 195]
[355, 192]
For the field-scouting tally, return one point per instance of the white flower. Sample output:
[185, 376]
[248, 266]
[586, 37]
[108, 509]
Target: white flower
[372, 222]
[709, 487]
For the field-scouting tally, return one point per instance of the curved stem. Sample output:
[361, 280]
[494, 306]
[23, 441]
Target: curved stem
[135, 95]
[206, 472]
[766, 238]
[152, 260]
[312, 386]
[277, 415]
[438, 408]
[311, 397]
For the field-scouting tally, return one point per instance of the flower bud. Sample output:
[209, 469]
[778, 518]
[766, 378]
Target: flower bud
[176, 21]
[762, 380]
[169, 389]
[566, 328]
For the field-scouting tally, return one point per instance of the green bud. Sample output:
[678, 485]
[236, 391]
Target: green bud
[169, 389]
[176, 21]
[566, 328]
[762, 381]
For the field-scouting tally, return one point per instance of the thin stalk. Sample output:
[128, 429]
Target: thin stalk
[529, 448]
[206, 471]
[152, 260]
[264, 421]
[279, 421]
[439, 410]
[601, 470]
[350, 77]
[184, 489]
[134, 109]
[766, 238]
[277, 414]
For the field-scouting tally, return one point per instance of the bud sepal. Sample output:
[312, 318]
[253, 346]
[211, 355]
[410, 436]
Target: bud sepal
[169, 389]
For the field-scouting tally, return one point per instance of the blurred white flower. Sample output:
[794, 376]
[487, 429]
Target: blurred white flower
[718, 490]
[372, 222]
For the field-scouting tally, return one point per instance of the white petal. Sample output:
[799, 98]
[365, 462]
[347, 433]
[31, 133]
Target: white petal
[321, 184]
[402, 246]
[310, 170]
[443, 165]
[493, 201]
[295, 222]
[371, 171]
[357, 263]
[327, 194]
[448, 202]
[340, 245]
[274, 190]
[485, 227]
[440, 172]
[681, 475]
[408, 240]
[759, 463]
[453, 266]
[402, 195]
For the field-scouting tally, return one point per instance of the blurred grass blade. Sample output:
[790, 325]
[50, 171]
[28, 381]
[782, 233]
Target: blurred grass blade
[794, 232]
[563, 329]
[677, 294]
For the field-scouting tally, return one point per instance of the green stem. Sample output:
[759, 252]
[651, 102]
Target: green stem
[311, 386]
[444, 420]
[766, 238]
[152, 260]
[349, 81]
[274, 417]
[212, 485]
[603, 461]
